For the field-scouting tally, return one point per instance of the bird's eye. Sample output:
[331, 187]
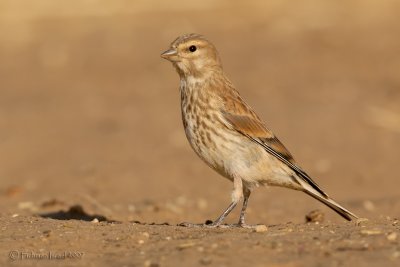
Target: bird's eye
[192, 48]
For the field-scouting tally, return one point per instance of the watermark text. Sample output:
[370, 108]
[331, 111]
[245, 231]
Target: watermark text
[16, 255]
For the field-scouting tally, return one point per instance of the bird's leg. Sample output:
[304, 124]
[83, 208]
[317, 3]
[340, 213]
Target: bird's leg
[237, 194]
[221, 218]
[246, 196]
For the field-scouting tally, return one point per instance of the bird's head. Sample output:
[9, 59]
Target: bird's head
[193, 55]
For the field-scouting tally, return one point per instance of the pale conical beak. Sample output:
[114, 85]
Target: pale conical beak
[169, 54]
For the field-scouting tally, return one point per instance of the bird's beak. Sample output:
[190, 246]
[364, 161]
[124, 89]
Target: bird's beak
[170, 54]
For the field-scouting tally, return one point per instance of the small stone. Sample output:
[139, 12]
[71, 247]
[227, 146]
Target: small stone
[149, 263]
[14, 215]
[95, 220]
[261, 228]
[47, 232]
[392, 237]
[315, 216]
[205, 261]
[146, 234]
[141, 241]
[371, 232]
[185, 245]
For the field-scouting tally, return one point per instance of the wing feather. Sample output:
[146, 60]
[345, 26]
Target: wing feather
[253, 128]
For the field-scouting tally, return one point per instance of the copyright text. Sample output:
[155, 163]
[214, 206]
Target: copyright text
[15, 255]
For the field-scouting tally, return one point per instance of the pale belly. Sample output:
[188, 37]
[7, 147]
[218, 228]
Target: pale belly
[232, 154]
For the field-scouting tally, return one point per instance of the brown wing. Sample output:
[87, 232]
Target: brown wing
[251, 126]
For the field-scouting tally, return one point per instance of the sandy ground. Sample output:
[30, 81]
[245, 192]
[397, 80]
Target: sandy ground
[95, 169]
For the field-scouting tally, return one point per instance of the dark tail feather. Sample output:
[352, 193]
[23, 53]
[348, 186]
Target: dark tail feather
[333, 205]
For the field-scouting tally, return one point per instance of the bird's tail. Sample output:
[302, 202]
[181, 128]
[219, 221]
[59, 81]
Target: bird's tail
[331, 204]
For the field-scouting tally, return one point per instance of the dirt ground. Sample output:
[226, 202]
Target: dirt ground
[95, 168]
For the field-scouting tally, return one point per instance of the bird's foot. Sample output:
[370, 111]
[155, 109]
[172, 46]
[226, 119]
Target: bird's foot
[247, 226]
[211, 224]
[207, 224]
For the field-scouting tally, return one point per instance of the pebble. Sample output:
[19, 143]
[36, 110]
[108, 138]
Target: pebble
[47, 232]
[185, 245]
[260, 228]
[392, 237]
[95, 220]
[146, 234]
[205, 261]
[371, 232]
[149, 263]
[315, 216]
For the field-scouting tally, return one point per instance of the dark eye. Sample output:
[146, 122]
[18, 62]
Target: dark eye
[192, 48]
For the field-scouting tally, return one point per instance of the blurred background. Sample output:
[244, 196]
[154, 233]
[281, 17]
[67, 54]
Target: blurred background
[90, 113]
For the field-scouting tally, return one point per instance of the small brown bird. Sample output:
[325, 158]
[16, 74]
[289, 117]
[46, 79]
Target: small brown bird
[228, 135]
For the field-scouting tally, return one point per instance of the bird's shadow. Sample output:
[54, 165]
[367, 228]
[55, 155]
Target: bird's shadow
[75, 212]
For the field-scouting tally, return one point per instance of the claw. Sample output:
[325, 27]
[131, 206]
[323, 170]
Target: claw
[210, 224]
